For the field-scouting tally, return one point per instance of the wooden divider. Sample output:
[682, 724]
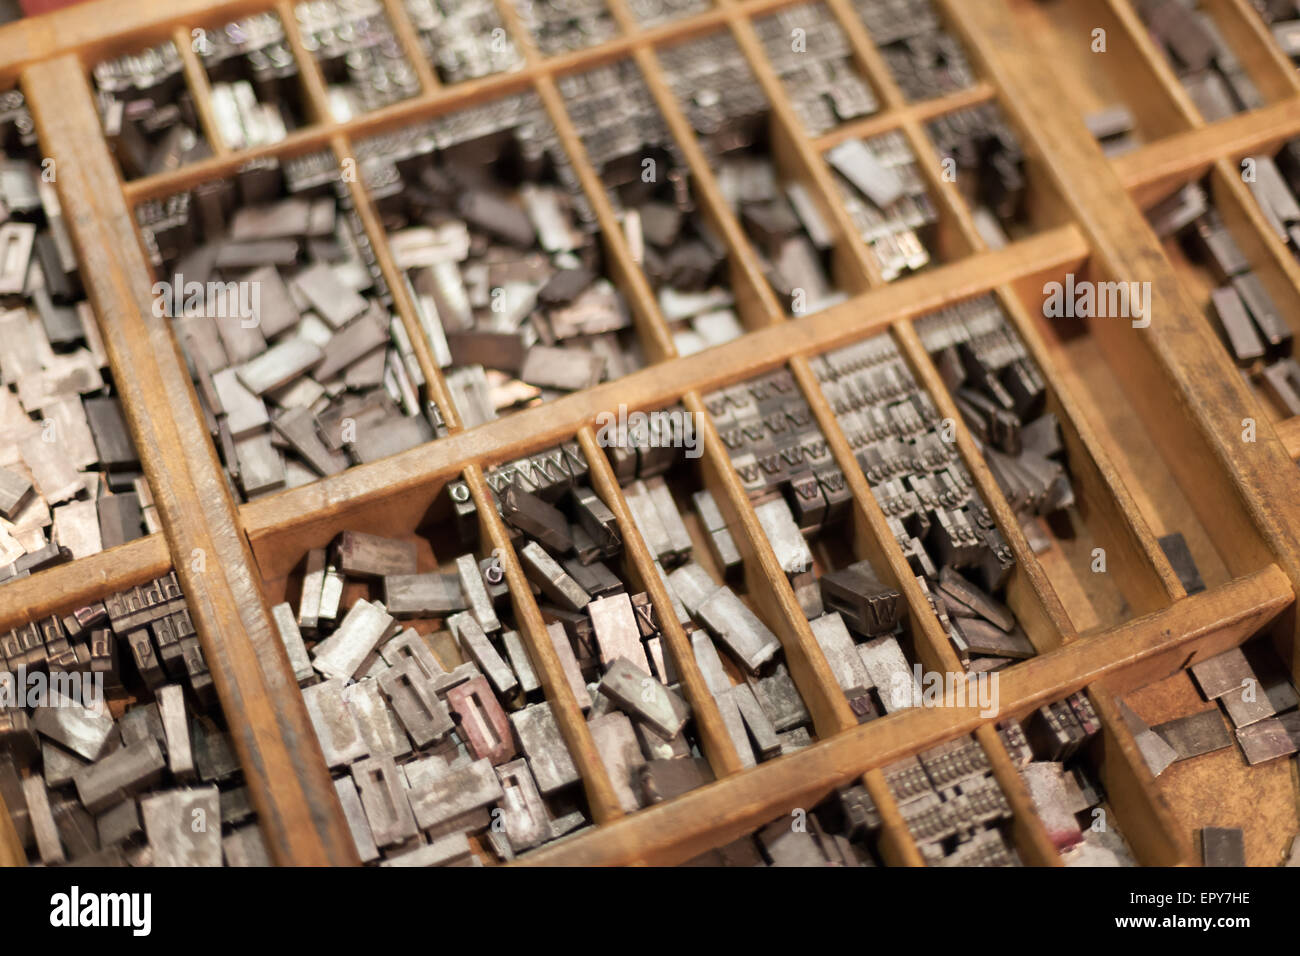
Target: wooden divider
[1177, 378]
[601, 796]
[714, 739]
[293, 796]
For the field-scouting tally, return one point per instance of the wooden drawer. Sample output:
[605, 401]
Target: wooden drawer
[1152, 415]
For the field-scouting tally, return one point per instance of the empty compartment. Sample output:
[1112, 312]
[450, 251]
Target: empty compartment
[124, 759]
[285, 322]
[1100, 354]
[1121, 96]
[499, 245]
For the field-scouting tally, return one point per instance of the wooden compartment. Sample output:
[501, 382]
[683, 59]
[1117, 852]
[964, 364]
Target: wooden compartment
[1152, 417]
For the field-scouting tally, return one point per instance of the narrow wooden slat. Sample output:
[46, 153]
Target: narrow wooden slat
[627, 275]
[1252, 42]
[1144, 574]
[1027, 829]
[897, 847]
[714, 739]
[86, 579]
[856, 268]
[894, 117]
[872, 538]
[196, 78]
[798, 158]
[717, 814]
[1150, 171]
[434, 383]
[1271, 259]
[1134, 794]
[11, 848]
[754, 297]
[1137, 34]
[409, 38]
[535, 428]
[601, 797]
[1289, 432]
[868, 59]
[309, 72]
[290, 789]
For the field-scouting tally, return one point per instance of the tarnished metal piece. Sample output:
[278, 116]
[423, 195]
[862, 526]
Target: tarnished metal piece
[336, 726]
[444, 804]
[480, 649]
[413, 698]
[644, 698]
[184, 827]
[383, 797]
[548, 756]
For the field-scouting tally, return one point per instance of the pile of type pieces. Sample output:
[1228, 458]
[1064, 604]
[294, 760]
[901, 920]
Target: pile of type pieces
[741, 659]
[948, 799]
[1050, 749]
[300, 364]
[842, 830]
[361, 59]
[926, 60]
[673, 231]
[1247, 318]
[463, 39]
[799, 496]
[937, 518]
[123, 758]
[148, 111]
[1002, 396]
[1249, 686]
[487, 222]
[1283, 19]
[1206, 65]
[425, 697]
[70, 478]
